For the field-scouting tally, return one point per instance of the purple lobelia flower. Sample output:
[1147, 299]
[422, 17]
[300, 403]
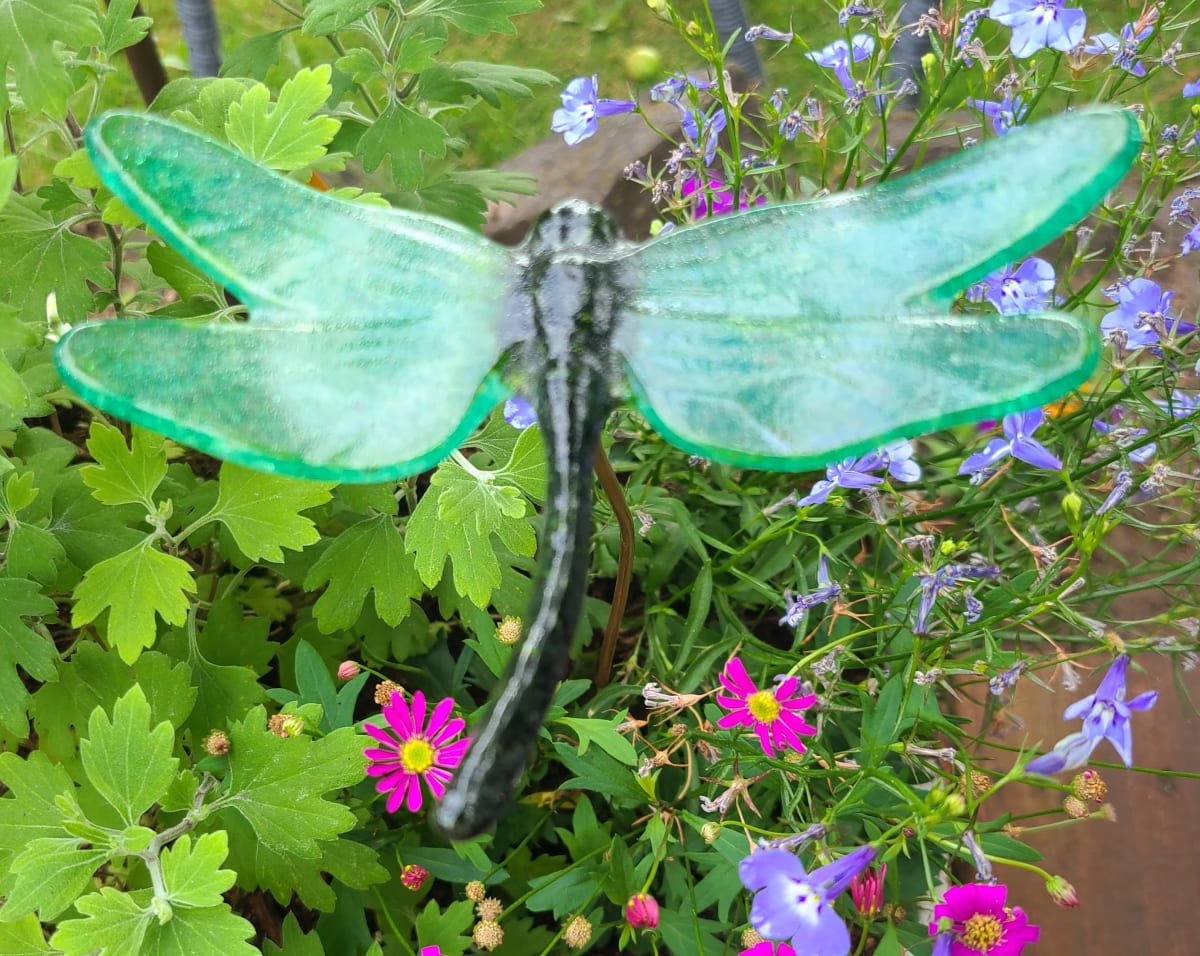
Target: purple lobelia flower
[1180, 404]
[847, 473]
[839, 55]
[675, 85]
[1016, 289]
[798, 605]
[1018, 441]
[942, 579]
[1123, 436]
[576, 119]
[1105, 716]
[703, 131]
[519, 413]
[1039, 24]
[1004, 114]
[763, 32]
[896, 458]
[1123, 48]
[1143, 314]
[1191, 89]
[790, 903]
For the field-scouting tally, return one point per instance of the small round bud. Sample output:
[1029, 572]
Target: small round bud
[750, 938]
[413, 877]
[1072, 507]
[487, 935]
[384, 691]
[216, 743]
[928, 62]
[489, 909]
[641, 911]
[508, 631]
[275, 724]
[642, 63]
[1062, 892]
[1089, 786]
[578, 932]
[476, 891]
[1075, 808]
[347, 670]
[710, 833]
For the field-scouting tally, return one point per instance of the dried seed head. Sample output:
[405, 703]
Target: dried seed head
[487, 935]
[384, 691]
[489, 909]
[216, 743]
[750, 938]
[476, 891]
[1075, 808]
[508, 631]
[578, 932]
[1089, 786]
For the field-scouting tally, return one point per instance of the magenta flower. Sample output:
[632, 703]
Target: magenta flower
[866, 890]
[976, 921]
[765, 947]
[713, 197]
[772, 713]
[414, 751]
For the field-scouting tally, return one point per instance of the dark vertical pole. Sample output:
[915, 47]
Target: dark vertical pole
[202, 35]
[729, 17]
[146, 65]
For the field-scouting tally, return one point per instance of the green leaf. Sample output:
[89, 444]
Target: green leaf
[135, 585]
[403, 134]
[181, 274]
[128, 761]
[329, 16]
[23, 937]
[453, 82]
[193, 877]
[40, 254]
[295, 941]
[314, 683]
[30, 33]
[526, 468]
[604, 734]
[21, 646]
[276, 785]
[456, 519]
[285, 136]
[50, 875]
[124, 475]
[261, 511]
[121, 28]
[93, 678]
[8, 177]
[255, 57]
[28, 811]
[367, 556]
[361, 64]
[600, 773]
[112, 924]
[481, 17]
[444, 929]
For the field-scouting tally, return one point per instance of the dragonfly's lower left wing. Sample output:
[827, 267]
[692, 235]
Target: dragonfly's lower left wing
[332, 403]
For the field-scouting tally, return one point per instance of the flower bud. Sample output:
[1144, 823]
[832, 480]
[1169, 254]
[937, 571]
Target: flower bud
[347, 670]
[508, 631]
[216, 743]
[641, 911]
[384, 691]
[578, 932]
[489, 909]
[710, 833]
[1062, 892]
[1075, 808]
[487, 935]
[928, 62]
[750, 938]
[413, 877]
[476, 891]
[1089, 786]
[1072, 506]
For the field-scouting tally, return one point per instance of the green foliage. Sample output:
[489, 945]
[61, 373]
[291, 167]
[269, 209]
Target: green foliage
[160, 614]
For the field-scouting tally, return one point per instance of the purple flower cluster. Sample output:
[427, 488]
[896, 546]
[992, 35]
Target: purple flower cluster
[1143, 314]
[1018, 441]
[896, 459]
[1124, 48]
[943, 579]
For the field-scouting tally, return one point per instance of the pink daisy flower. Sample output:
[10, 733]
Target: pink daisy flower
[413, 750]
[772, 713]
[977, 921]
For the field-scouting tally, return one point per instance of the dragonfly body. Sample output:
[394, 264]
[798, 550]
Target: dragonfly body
[565, 307]
[781, 337]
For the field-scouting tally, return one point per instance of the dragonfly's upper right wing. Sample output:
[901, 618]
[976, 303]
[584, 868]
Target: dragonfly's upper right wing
[787, 336]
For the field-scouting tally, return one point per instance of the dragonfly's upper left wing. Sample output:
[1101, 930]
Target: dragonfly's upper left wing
[372, 335]
[788, 336]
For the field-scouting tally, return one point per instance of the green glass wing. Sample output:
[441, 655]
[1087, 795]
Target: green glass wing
[372, 336]
[786, 337]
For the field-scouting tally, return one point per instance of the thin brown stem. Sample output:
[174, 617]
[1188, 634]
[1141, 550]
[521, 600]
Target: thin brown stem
[616, 500]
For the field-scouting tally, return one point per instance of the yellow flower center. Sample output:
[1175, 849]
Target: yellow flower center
[981, 932]
[763, 706]
[416, 755]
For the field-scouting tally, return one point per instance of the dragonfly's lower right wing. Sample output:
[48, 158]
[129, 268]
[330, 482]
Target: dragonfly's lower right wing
[793, 394]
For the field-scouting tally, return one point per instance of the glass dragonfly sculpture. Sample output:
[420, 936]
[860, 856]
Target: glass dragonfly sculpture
[783, 337]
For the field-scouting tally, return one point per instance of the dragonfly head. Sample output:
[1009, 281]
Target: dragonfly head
[575, 225]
